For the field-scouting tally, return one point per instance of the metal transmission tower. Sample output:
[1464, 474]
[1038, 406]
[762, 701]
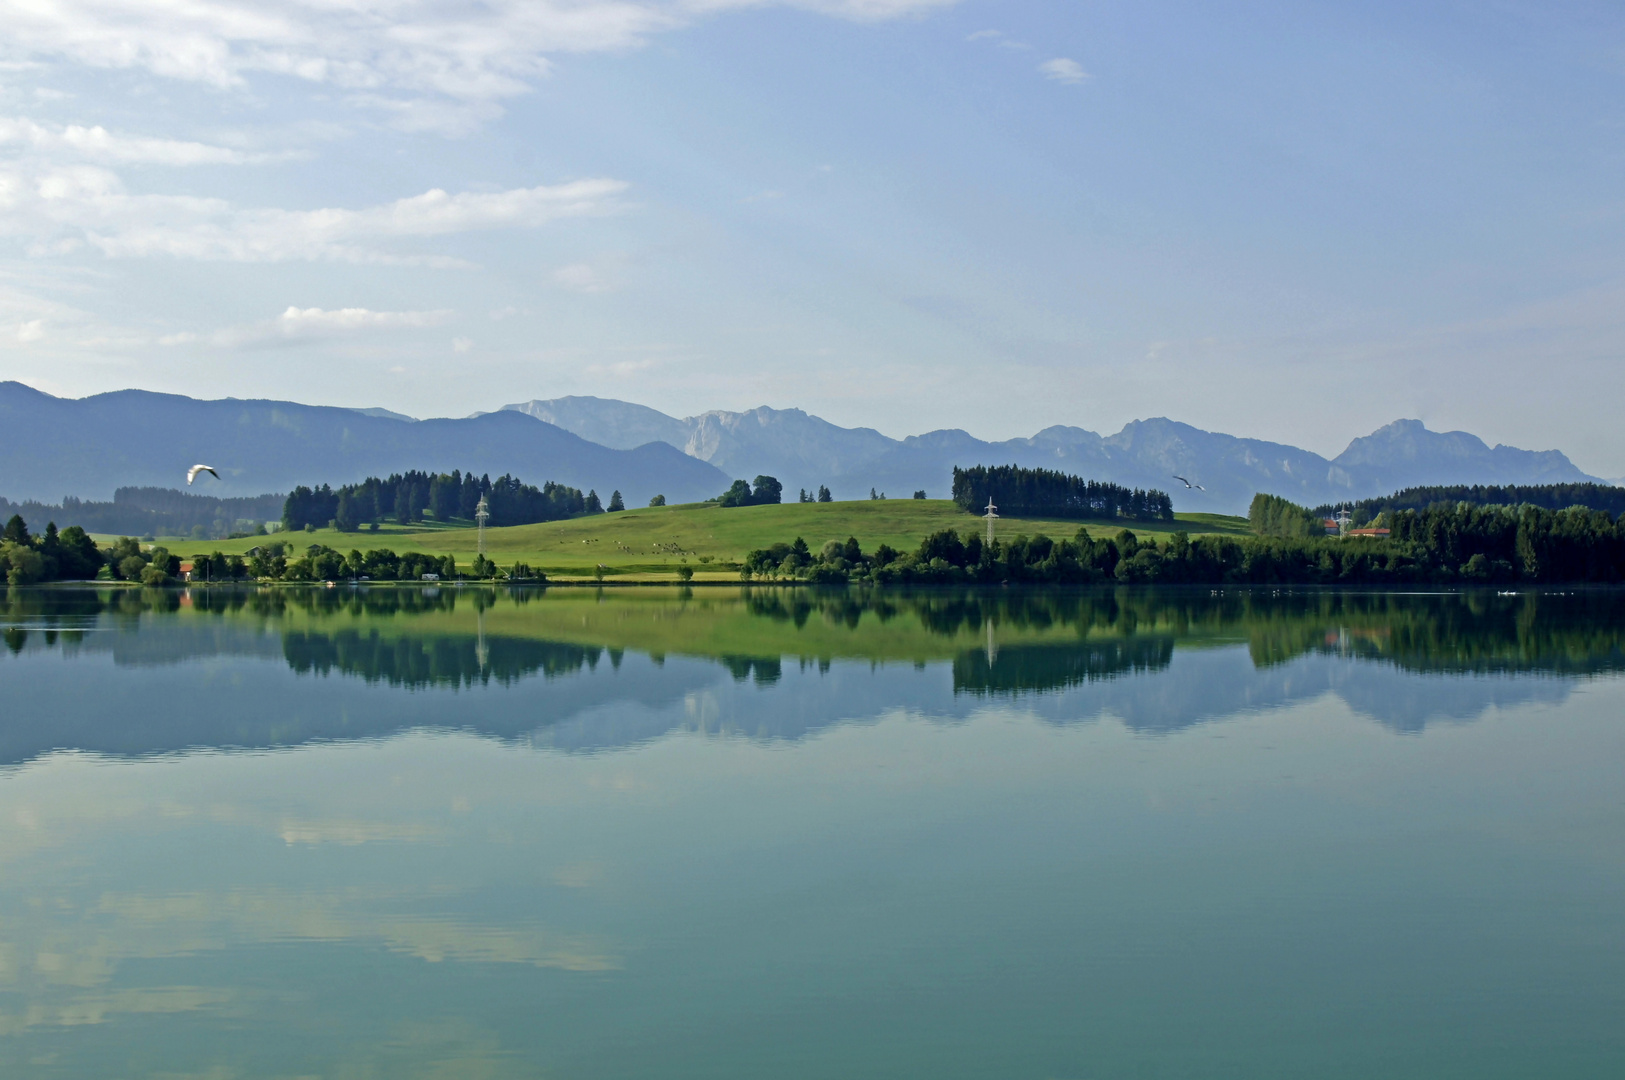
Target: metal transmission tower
[481, 513]
[990, 516]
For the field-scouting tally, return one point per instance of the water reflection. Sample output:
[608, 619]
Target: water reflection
[594, 670]
[963, 874]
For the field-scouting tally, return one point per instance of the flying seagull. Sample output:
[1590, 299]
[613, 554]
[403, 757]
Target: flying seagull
[1181, 479]
[191, 474]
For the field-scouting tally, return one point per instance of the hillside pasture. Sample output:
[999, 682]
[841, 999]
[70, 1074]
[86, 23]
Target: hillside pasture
[651, 542]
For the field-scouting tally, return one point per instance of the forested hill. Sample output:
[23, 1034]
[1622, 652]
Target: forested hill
[1608, 498]
[405, 497]
[90, 446]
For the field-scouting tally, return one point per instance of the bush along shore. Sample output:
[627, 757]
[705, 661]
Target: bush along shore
[1465, 545]
[278, 562]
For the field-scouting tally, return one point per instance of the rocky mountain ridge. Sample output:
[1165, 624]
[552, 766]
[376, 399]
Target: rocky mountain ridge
[803, 450]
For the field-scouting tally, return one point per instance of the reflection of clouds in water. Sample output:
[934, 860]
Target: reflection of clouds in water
[62, 956]
[99, 1008]
[271, 915]
[354, 833]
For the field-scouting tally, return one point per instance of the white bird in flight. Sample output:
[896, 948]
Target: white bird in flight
[191, 474]
[1181, 479]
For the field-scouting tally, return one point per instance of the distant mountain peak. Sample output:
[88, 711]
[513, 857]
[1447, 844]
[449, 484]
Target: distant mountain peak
[805, 450]
[386, 414]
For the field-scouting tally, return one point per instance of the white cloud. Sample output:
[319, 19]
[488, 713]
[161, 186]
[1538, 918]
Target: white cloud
[579, 277]
[461, 344]
[296, 321]
[1063, 70]
[983, 35]
[58, 208]
[298, 324]
[381, 50]
[98, 144]
[33, 330]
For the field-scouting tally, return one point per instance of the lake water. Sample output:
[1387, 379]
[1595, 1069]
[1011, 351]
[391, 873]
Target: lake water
[467, 833]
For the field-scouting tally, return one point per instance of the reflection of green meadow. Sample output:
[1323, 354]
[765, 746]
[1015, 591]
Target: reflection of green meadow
[1574, 631]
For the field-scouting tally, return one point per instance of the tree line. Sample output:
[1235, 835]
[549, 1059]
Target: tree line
[1465, 545]
[278, 561]
[409, 497]
[1047, 493]
[1604, 497]
[71, 555]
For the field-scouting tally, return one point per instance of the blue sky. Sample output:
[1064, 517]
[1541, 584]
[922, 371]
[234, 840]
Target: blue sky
[1292, 221]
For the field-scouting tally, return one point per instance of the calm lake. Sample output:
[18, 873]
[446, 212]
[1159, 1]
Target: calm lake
[735, 833]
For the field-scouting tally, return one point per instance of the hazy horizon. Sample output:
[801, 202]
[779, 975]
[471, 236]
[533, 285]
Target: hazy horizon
[1294, 224]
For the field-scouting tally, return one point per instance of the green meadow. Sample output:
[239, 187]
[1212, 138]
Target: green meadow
[651, 542]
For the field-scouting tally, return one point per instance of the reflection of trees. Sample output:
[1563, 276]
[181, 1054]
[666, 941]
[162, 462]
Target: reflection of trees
[417, 662]
[764, 672]
[1580, 632]
[1575, 632]
[1088, 633]
[1052, 667]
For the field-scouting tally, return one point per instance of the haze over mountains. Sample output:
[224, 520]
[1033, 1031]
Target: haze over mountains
[90, 446]
[805, 451]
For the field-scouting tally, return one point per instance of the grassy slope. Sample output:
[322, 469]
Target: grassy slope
[652, 541]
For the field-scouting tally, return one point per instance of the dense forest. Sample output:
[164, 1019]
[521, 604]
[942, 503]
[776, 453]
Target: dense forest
[1044, 493]
[151, 511]
[1604, 497]
[409, 497]
[1444, 545]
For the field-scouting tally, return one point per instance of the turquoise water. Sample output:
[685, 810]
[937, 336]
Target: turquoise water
[760, 834]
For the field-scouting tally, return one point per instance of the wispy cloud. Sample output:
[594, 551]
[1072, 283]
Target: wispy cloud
[1000, 39]
[1063, 70]
[62, 209]
[99, 144]
[387, 53]
[580, 277]
[297, 325]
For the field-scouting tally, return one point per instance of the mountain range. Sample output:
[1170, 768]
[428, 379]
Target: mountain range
[87, 447]
[804, 451]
